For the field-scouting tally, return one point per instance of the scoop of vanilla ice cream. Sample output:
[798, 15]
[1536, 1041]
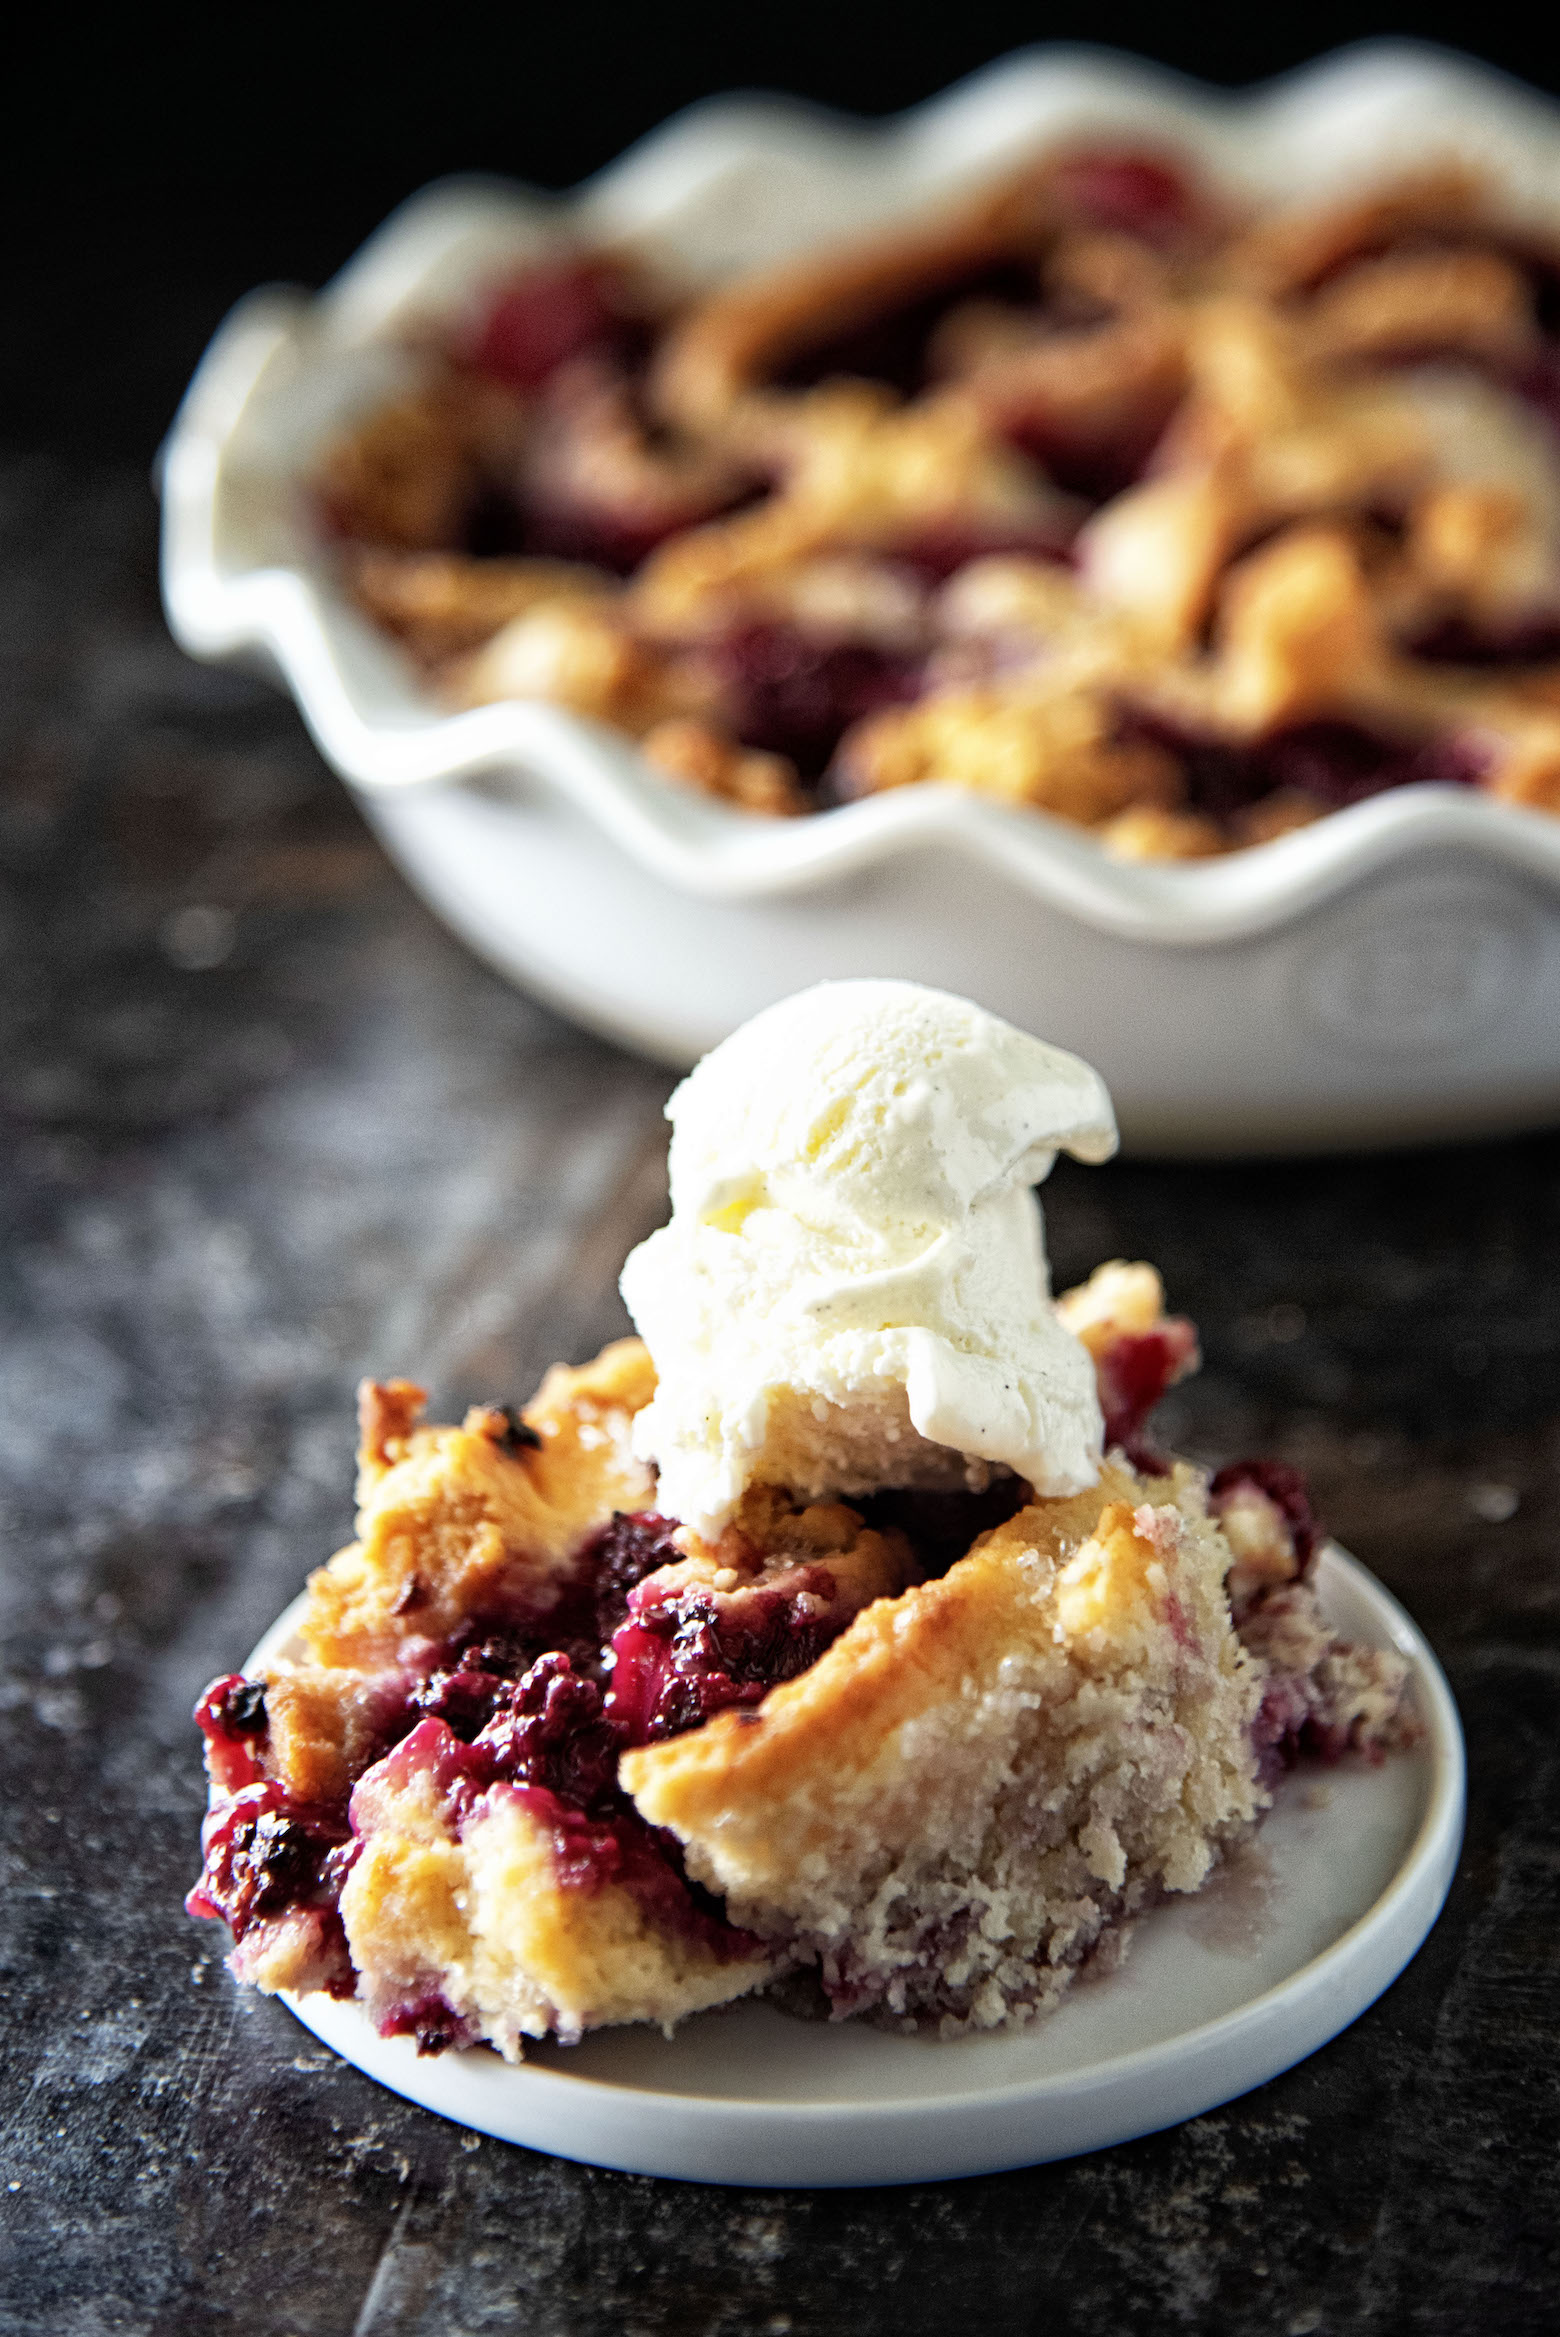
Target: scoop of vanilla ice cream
[853, 1292]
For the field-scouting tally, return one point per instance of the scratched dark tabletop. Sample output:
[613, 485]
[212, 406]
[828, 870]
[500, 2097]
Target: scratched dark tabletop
[268, 1128]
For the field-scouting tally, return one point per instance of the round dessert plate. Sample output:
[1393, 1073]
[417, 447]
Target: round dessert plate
[1219, 1992]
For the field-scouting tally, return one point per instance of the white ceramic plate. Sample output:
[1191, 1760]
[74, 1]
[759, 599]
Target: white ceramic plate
[1218, 1994]
[1389, 973]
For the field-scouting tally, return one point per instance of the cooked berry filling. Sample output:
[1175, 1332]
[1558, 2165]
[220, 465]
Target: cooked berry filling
[1311, 1703]
[1456, 642]
[546, 1731]
[562, 458]
[553, 505]
[796, 694]
[550, 1730]
[1134, 192]
[433, 2021]
[1292, 1725]
[493, 1715]
[619, 1558]
[941, 550]
[1285, 1487]
[464, 1695]
[503, 1648]
[548, 315]
[550, 1743]
[590, 1851]
[1278, 1731]
[1120, 191]
[1133, 1372]
[599, 480]
[1336, 763]
[266, 1855]
[1540, 385]
[683, 1656]
[233, 1720]
[1092, 466]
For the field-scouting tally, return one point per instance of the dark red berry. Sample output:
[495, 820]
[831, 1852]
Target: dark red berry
[1139, 194]
[543, 318]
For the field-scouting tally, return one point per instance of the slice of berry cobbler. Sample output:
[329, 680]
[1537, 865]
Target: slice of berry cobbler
[546, 1760]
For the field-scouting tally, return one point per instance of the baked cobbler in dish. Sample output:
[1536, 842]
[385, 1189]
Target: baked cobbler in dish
[938, 1676]
[1095, 493]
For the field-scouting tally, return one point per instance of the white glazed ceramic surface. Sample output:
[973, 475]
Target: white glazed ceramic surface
[1390, 973]
[1218, 1994]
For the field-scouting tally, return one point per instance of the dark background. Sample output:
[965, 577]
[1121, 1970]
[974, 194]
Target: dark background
[159, 162]
[232, 1179]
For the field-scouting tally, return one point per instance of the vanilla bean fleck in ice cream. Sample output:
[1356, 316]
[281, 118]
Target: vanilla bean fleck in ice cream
[852, 1292]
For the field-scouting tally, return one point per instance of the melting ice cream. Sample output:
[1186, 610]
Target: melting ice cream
[852, 1292]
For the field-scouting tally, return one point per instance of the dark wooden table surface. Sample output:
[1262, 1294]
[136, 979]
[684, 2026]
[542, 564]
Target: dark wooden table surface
[266, 1128]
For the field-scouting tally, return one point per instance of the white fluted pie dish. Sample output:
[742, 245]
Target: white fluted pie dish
[1390, 973]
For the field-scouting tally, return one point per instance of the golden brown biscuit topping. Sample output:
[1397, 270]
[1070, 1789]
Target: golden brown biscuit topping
[1085, 493]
